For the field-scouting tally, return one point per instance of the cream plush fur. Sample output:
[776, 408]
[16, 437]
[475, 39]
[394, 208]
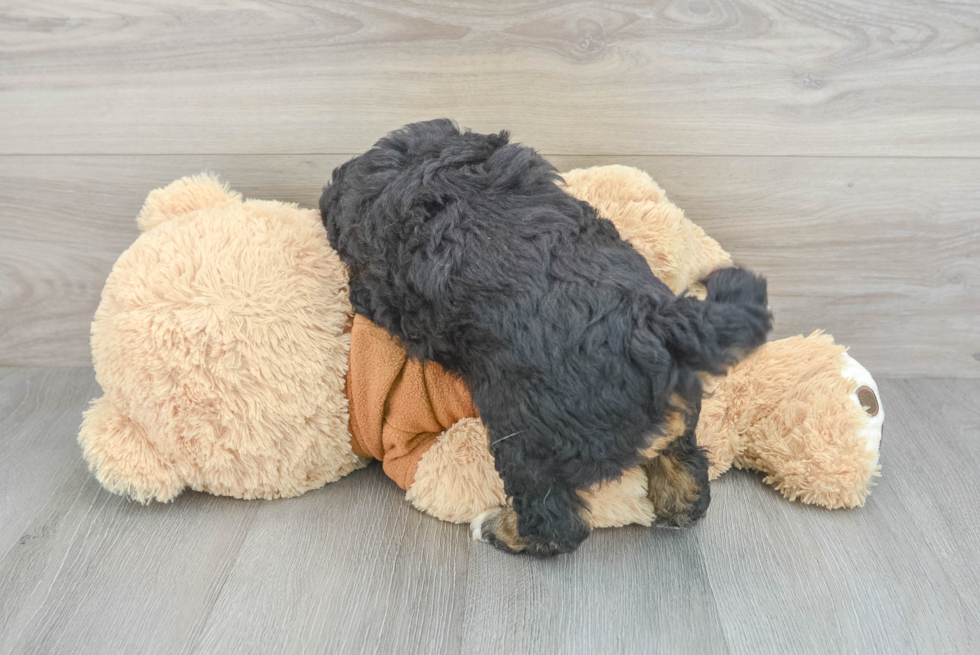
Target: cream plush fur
[220, 346]
[220, 350]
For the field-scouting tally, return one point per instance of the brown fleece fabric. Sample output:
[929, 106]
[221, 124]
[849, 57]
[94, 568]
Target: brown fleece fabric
[398, 406]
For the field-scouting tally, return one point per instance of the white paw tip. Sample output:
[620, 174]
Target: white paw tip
[476, 527]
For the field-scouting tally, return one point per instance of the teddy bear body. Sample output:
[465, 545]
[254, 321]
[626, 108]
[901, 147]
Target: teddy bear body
[231, 363]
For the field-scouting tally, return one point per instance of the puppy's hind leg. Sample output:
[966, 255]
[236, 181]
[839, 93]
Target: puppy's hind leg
[677, 477]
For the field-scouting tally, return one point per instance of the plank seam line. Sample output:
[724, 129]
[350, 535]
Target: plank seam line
[545, 154]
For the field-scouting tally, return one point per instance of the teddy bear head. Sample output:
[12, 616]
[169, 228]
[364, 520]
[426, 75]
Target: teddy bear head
[220, 346]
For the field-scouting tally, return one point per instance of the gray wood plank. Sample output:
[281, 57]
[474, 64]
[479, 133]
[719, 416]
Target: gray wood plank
[40, 412]
[882, 253]
[792, 578]
[352, 568]
[85, 571]
[629, 590]
[349, 568]
[932, 455]
[95, 573]
[702, 77]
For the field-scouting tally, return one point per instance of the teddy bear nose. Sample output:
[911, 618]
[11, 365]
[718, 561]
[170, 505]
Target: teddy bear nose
[868, 399]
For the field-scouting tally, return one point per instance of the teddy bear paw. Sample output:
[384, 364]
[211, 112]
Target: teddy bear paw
[868, 398]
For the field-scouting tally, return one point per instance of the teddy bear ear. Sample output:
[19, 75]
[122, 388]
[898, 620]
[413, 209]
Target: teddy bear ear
[182, 197]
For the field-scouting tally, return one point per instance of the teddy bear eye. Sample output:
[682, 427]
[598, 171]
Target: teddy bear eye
[868, 399]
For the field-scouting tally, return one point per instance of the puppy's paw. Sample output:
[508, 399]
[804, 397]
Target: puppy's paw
[677, 485]
[685, 514]
[476, 526]
[498, 527]
[675, 522]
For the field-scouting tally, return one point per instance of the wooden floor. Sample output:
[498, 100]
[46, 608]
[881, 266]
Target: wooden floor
[833, 145]
[353, 568]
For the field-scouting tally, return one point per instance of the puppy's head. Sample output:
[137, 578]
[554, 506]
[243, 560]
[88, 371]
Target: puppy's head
[417, 168]
[330, 202]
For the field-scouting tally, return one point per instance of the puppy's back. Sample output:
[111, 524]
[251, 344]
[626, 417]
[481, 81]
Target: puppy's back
[576, 355]
[458, 240]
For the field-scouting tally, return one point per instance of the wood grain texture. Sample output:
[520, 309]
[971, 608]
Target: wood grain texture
[761, 77]
[934, 471]
[805, 579]
[33, 460]
[882, 253]
[85, 571]
[793, 579]
[103, 574]
[352, 568]
[630, 590]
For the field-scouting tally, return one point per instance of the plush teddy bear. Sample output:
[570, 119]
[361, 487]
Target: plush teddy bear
[231, 363]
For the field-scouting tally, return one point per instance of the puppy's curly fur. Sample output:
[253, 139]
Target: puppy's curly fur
[465, 247]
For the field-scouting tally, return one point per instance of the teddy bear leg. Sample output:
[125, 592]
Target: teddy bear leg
[615, 503]
[123, 459]
[456, 480]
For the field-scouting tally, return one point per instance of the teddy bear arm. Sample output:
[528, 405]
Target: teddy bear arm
[715, 432]
[678, 251]
[455, 479]
[122, 457]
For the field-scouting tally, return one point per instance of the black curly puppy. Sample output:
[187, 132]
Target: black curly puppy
[581, 362]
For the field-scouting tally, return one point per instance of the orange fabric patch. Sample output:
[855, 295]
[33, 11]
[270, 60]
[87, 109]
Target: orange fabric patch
[398, 406]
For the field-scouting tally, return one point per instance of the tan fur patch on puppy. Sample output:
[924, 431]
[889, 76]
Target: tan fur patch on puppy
[672, 489]
[499, 528]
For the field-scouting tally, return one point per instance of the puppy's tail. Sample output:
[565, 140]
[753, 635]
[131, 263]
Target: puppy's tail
[713, 334]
